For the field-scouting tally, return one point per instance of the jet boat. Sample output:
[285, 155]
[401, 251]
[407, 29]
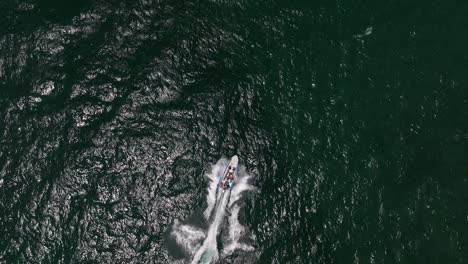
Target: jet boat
[226, 181]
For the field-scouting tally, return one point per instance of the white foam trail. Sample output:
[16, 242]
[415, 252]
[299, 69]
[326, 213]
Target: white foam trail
[236, 230]
[191, 237]
[208, 252]
[216, 172]
[242, 185]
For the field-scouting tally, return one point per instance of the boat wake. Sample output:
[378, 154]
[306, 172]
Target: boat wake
[202, 246]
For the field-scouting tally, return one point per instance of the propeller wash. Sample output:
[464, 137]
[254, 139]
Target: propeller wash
[228, 183]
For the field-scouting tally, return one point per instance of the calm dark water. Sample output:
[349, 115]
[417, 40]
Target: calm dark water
[352, 115]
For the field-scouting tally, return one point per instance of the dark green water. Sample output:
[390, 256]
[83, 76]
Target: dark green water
[352, 115]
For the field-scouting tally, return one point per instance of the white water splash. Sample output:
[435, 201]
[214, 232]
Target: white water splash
[216, 172]
[236, 231]
[187, 236]
[190, 238]
[367, 32]
[242, 186]
[208, 252]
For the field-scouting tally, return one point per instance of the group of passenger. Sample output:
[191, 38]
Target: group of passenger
[229, 177]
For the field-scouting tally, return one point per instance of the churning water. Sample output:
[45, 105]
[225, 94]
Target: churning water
[202, 246]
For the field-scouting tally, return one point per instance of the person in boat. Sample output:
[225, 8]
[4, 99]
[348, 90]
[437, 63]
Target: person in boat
[230, 173]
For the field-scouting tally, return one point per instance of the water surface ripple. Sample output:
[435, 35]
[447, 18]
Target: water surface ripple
[351, 115]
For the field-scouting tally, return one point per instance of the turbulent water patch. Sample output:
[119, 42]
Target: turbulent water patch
[202, 246]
